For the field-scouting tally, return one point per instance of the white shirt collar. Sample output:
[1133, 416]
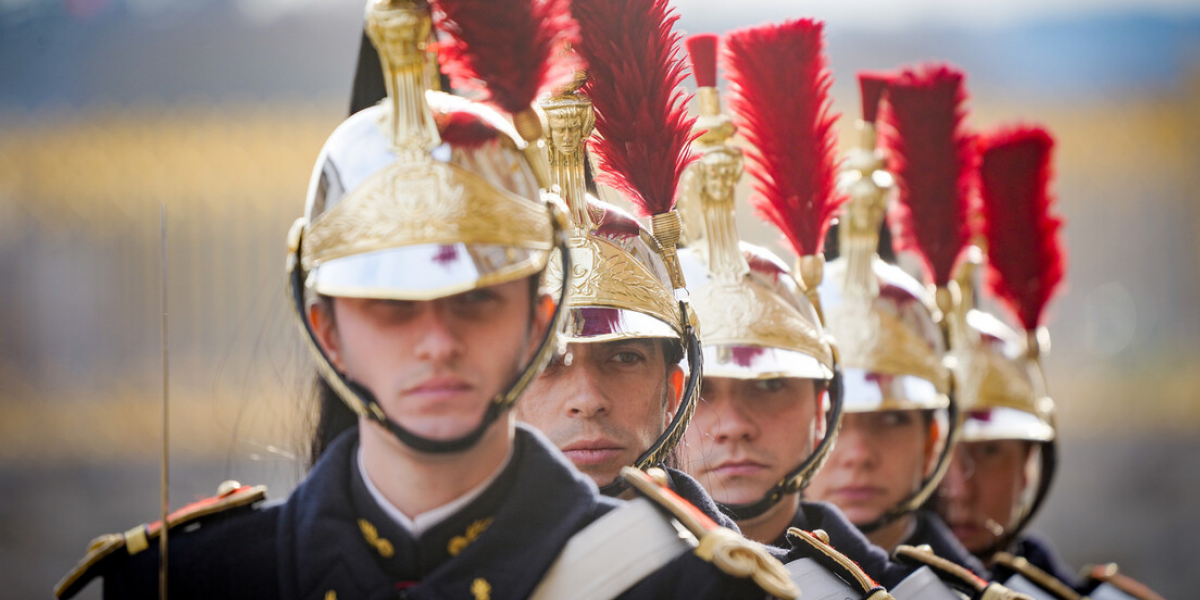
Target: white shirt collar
[425, 521]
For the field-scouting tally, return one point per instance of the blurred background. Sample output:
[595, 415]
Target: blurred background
[216, 109]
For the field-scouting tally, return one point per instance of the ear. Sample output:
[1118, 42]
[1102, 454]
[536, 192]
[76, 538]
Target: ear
[820, 425]
[932, 446]
[675, 382]
[325, 330]
[543, 316]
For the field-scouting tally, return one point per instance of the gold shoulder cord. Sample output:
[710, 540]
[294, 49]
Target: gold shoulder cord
[1031, 572]
[818, 540]
[230, 494]
[957, 575]
[729, 551]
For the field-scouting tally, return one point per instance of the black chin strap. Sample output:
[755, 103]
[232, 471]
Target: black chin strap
[800, 477]
[657, 453]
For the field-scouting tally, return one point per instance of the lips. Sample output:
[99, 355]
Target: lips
[858, 493]
[592, 452]
[442, 386]
[739, 468]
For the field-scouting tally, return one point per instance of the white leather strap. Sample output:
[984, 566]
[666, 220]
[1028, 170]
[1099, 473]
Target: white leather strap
[818, 583]
[613, 553]
[924, 584]
[1018, 583]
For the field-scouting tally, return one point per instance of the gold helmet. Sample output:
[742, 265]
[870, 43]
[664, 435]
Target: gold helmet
[420, 197]
[756, 320]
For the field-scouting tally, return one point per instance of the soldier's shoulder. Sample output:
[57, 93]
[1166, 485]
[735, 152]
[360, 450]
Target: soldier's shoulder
[206, 538]
[721, 558]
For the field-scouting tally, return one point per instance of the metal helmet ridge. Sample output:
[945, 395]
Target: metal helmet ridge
[420, 197]
[757, 322]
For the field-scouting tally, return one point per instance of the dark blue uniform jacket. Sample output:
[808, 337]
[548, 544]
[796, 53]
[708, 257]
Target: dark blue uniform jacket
[933, 531]
[331, 536]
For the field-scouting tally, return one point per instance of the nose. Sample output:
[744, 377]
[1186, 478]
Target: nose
[438, 338]
[854, 447]
[586, 397]
[728, 420]
[956, 483]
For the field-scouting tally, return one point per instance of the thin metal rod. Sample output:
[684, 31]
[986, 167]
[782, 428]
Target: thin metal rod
[162, 540]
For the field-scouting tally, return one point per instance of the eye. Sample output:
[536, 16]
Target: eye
[627, 357]
[895, 418]
[770, 385]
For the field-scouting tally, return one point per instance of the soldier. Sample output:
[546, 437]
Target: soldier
[896, 438]
[415, 277]
[764, 424]
[615, 396]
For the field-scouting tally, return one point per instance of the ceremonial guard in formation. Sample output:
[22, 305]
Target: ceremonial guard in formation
[615, 395]
[415, 275]
[899, 428]
[764, 424]
[1007, 456]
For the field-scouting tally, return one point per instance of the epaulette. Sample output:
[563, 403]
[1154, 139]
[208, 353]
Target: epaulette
[230, 495]
[954, 575]
[723, 547]
[846, 569]
[1043, 580]
[1100, 575]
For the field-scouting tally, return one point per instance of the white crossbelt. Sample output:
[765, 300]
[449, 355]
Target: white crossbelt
[614, 553]
[1019, 583]
[817, 583]
[924, 584]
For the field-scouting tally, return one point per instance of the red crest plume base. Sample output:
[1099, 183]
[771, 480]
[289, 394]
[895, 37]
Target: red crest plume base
[779, 94]
[872, 85]
[1026, 260]
[702, 52]
[634, 72]
[510, 48]
[933, 160]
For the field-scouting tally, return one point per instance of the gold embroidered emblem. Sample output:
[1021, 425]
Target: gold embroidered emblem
[331, 595]
[474, 530]
[381, 545]
[481, 589]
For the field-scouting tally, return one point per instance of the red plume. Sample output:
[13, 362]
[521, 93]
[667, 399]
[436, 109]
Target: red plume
[634, 72]
[872, 84]
[702, 51]
[510, 48]
[779, 95]
[1026, 260]
[933, 160]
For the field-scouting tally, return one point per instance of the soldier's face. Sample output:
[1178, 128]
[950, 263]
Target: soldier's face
[604, 404]
[434, 366]
[982, 489]
[880, 459]
[746, 435]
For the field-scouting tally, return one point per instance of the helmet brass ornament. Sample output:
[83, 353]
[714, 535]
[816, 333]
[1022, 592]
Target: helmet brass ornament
[404, 205]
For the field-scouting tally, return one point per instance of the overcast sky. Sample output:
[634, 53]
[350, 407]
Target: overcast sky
[865, 13]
